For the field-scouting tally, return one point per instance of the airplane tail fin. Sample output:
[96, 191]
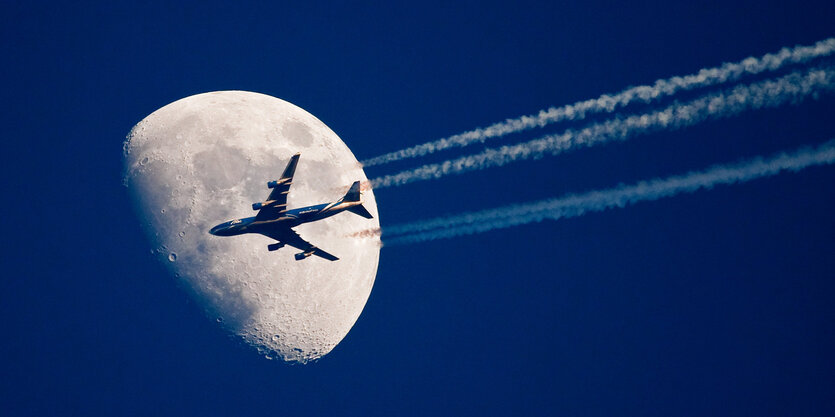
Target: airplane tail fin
[354, 195]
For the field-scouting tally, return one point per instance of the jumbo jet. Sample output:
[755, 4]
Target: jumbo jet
[275, 221]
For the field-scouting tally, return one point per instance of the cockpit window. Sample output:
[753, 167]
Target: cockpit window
[236, 221]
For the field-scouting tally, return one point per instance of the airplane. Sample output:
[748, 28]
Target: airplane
[275, 221]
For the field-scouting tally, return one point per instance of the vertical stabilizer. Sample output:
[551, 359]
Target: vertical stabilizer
[352, 196]
[353, 193]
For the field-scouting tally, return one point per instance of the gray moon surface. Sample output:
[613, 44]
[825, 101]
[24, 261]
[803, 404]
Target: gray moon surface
[205, 159]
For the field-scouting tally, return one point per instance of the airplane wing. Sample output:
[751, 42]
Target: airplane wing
[277, 201]
[289, 236]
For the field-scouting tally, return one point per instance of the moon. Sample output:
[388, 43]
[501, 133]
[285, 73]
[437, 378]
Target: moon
[205, 159]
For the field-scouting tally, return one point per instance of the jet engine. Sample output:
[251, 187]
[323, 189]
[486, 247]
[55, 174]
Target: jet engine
[276, 183]
[259, 206]
[275, 246]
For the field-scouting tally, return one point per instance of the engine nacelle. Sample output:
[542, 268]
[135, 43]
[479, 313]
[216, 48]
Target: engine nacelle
[303, 255]
[259, 206]
[276, 183]
[275, 246]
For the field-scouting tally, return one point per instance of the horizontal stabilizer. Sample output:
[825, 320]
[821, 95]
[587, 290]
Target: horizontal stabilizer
[361, 211]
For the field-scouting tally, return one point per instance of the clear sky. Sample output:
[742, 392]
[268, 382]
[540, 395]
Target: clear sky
[712, 303]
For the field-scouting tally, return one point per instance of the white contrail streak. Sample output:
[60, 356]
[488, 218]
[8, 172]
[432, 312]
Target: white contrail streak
[579, 204]
[706, 77]
[791, 88]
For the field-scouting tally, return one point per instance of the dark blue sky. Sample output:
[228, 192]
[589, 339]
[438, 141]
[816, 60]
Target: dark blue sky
[715, 303]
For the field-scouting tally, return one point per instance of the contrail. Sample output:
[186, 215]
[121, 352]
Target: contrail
[620, 196]
[791, 88]
[706, 77]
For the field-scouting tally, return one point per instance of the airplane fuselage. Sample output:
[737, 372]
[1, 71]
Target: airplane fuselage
[288, 219]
